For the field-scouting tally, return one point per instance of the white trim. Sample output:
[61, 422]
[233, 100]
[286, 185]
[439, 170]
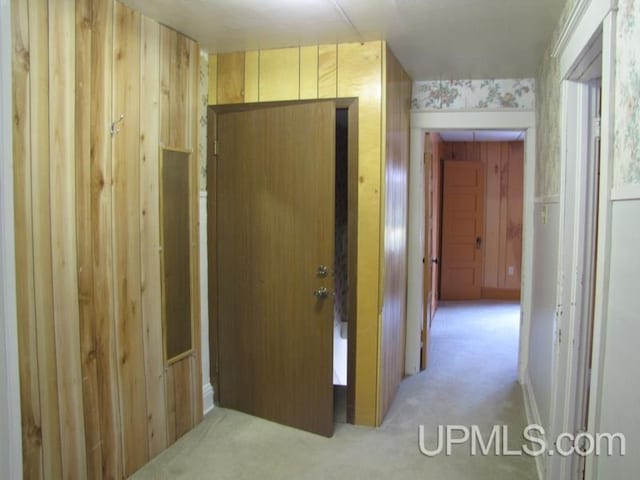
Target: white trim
[585, 20]
[547, 199]
[207, 398]
[10, 427]
[416, 255]
[207, 390]
[533, 417]
[473, 120]
[625, 192]
[577, 12]
[607, 134]
[480, 120]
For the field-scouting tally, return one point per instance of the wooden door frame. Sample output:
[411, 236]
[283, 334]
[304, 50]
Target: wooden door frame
[576, 43]
[437, 121]
[351, 105]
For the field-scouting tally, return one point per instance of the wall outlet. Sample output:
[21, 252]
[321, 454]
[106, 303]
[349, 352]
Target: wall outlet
[511, 271]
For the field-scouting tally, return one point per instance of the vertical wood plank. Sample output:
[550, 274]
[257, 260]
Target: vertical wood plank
[492, 215]
[126, 184]
[308, 72]
[360, 75]
[63, 236]
[102, 237]
[213, 80]
[195, 360]
[167, 51]
[86, 293]
[513, 252]
[42, 246]
[170, 388]
[327, 71]
[251, 76]
[178, 92]
[151, 302]
[183, 392]
[27, 327]
[502, 230]
[230, 80]
[279, 74]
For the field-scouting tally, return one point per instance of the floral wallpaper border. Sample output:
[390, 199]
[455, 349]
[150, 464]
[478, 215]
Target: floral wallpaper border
[202, 122]
[490, 94]
[627, 95]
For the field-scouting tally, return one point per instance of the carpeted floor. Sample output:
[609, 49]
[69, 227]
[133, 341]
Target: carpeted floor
[471, 380]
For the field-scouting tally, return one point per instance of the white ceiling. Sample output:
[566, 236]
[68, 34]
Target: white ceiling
[433, 39]
[482, 135]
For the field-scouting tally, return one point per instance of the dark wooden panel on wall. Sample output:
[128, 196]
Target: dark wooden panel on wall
[92, 377]
[392, 342]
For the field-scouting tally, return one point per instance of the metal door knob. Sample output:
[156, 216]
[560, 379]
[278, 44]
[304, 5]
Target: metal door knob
[322, 292]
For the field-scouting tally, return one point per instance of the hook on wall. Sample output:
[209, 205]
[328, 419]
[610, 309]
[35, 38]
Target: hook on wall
[114, 128]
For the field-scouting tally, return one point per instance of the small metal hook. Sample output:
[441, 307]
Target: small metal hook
[114, 129]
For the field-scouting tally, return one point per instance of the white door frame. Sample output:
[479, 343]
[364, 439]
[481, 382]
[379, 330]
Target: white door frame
[422, 122]
[10, 425]
[588, 19]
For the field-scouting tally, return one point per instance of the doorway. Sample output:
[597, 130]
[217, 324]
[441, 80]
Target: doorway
[522, 122]
[282, 248]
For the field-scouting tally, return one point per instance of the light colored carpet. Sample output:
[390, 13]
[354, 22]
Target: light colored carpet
[471, 380]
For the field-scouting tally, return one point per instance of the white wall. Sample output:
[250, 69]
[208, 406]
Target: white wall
[543, 302]
[10, 436]
[620, 395]
[207, 390]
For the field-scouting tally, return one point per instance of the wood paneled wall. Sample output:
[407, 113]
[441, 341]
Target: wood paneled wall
[504, 162]
[396, 199]
[331, 71]
[97, 399]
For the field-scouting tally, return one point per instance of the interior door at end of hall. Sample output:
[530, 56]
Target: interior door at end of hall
[275, 250]
[462, 230]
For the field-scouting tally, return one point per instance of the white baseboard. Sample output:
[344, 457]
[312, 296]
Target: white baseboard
[533, 418]
[207, 398]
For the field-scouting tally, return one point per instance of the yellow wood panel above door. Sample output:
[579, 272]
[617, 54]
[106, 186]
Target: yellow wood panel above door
[309, 72]
[327, 71]
[251, 76]
[279, 74]
[230, 78]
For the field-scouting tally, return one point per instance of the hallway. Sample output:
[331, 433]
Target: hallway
[471, 380]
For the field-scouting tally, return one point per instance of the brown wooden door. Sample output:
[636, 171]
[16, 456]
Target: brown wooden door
[462, 230]
[275, 228]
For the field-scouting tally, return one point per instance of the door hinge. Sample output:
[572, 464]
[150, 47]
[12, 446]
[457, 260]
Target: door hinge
[215, 147]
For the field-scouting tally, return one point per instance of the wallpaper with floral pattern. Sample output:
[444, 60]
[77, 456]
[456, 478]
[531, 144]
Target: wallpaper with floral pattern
[474, 94]
[627, 95]
[202, 123]
[548, 116]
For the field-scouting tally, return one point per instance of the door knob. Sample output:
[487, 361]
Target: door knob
[321, 293]
[322, 271]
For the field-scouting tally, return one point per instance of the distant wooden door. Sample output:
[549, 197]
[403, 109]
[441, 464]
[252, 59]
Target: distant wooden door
[275, 229]
[462, 230]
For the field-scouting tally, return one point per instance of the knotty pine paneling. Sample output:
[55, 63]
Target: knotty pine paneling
[93, 379]
[503, 211]
[340, 71]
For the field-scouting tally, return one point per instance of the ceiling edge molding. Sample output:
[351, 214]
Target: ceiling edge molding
[577, 12]
[575, 17]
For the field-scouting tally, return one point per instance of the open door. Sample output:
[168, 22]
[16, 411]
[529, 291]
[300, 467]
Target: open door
[428, 246]
[275, 252]
[462, 230]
